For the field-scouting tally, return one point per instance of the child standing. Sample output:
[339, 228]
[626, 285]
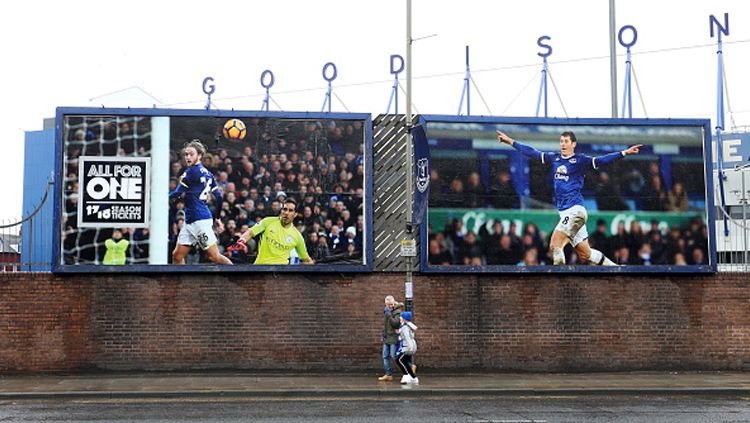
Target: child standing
[407, 348]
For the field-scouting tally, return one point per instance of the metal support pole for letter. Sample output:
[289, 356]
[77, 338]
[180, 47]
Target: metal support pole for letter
[542, 90]
[466, 92]
[394, 96]
[327, 99]
[264, 107]
[627, 100]
[720, 128]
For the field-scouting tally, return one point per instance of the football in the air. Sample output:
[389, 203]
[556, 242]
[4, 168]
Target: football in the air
[235, 129]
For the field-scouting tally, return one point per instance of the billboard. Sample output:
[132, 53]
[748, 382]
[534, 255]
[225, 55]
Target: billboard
[193, 190]
[568, 195]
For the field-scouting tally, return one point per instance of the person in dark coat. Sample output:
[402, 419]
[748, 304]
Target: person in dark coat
[391, 323]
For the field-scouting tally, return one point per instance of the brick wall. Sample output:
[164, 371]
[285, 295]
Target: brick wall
[323, 322]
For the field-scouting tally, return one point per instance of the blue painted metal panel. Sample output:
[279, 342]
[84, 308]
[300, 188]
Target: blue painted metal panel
[38, 171]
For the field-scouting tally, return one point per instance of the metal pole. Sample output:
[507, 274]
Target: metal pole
[627, 99]
[465, 91]
[544, 82]
[720, 128]
[630, 91]
[612, 58]
[468, 87]
[395, 94]
[542, 90]
[408, 287]
[328, 96]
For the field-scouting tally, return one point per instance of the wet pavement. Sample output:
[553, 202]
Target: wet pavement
[246, 384]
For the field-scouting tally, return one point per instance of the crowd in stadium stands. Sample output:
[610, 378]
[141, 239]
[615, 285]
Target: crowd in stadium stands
[678, 245]
[326, 179]
[634, 245]
[471, 192]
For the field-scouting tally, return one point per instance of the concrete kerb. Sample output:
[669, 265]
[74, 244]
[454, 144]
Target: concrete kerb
[387, 394]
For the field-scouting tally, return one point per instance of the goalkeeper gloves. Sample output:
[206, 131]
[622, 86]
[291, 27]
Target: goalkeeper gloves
[238, 246]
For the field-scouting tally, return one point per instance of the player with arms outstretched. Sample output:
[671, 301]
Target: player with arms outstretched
[195, 185]
[279, 239]
[570, 170]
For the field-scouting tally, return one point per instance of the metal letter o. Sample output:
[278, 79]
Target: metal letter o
[635, 36]
[263, 78]
[325, 68]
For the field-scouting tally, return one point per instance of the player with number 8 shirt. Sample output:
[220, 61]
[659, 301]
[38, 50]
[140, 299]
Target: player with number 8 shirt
[195, 184]
[569, 172]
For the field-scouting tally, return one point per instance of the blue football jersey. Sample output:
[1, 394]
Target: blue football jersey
[197, 182]
[568, 172]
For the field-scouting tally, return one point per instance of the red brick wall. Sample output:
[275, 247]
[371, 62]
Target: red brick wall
[309, 322]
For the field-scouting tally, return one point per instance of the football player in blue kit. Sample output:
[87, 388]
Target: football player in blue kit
[195, 185]
[569, 172]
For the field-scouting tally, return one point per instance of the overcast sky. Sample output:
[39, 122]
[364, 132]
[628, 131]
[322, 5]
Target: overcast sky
[140, 53]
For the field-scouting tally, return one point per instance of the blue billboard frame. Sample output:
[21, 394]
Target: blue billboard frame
[58, 267]
[705, 124]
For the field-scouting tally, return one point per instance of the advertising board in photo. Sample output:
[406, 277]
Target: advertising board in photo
[113, 192]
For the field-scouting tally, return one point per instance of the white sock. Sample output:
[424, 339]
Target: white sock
[599, 259]
[558, 256]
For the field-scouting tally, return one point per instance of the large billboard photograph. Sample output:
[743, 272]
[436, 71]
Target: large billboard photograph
[559, 195]
[177, 190]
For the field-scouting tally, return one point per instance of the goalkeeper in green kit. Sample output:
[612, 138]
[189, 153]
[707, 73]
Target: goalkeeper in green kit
[280, 237]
